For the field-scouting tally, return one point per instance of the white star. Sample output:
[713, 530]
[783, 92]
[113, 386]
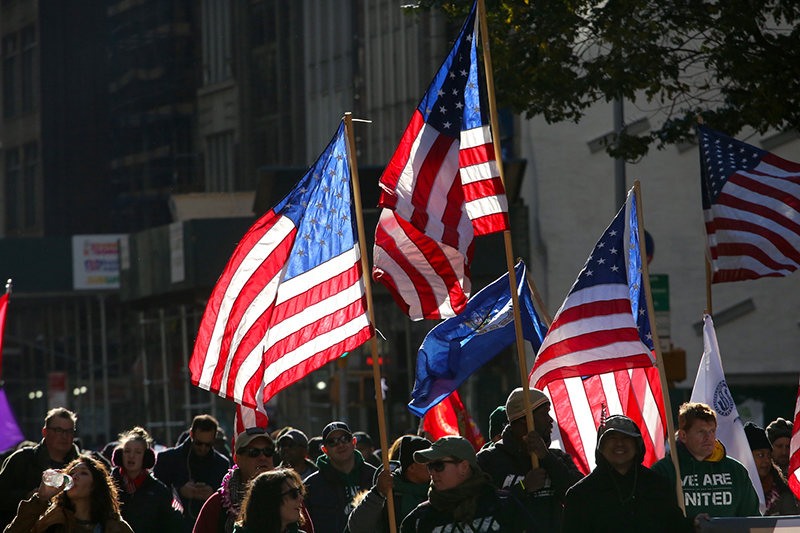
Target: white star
[469, 38]
[300, 252]
[614, 268]
[649, 336]
[446, 125]
[613, 233]
[589, 272]
[428, 110]
[641, 312]
[613, 250]
[463, 72]
[601, 245]
[455, 92]
[452, 74]
[459, 105]
[440, 93]
[442, 109]
[601, 261]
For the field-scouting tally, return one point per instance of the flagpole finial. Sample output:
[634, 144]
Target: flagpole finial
[9, 285]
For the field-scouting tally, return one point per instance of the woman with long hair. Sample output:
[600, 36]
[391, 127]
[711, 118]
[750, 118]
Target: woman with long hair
[146, 502]
[89, 505]
[273, 503]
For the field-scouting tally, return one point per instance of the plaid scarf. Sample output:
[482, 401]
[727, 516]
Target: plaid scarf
[132, 484]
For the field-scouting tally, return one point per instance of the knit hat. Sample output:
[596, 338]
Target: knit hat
[757, 437]
[408, 445]
[779, 428]
[497, 421]
[449, 446]
[515, 404]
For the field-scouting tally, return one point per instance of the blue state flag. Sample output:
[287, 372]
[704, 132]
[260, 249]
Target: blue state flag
[459, 346]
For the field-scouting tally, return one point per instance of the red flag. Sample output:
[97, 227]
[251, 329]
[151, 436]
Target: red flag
[577, 405]
[794, 451]
[751, 205]
[3, 309]
[245, 418]
[292, 296]
[440, 189]
[449, 417]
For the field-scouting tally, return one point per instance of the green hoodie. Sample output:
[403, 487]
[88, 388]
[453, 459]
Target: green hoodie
[719, 485]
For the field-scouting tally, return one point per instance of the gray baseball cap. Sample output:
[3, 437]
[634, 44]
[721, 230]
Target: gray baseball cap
[449, 446]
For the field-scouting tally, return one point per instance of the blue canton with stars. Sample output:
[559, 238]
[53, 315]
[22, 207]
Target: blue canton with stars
[452, 102]
[321, 208]
[608, 265]
[720, 158]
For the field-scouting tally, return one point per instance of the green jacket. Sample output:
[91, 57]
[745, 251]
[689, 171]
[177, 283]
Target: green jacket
[719, 485]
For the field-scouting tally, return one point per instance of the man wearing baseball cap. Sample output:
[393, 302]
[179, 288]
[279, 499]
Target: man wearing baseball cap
[254, 453]
[461, 496]
[508, 462]
[622, 494]
[342, 474]
[409, 484]
[293, 449]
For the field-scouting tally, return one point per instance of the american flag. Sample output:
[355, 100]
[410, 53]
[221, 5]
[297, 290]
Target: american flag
[598, 354]
[578, 404]
[441, 188]
[292, 295]
[246, 418]
[751, 206]
[603, 324]
[794, 451]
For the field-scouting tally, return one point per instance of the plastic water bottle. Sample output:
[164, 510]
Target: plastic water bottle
[54, 478]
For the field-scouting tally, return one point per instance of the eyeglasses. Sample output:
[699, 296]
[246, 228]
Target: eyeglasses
[60, 432]
[341, 439]
[255, 452]
[293, 493]
[438, 466]
[202, 444]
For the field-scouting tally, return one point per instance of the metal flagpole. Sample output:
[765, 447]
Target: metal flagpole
[637, 190]
[512, 276]
[709, 265]
[376, 370]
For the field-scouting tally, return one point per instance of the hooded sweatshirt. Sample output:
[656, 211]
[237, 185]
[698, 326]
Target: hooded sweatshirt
[718, 485]
[640, 501]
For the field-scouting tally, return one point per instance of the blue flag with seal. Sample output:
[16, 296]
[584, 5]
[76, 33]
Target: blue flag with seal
[459, 346]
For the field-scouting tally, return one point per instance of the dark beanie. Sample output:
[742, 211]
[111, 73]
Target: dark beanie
[779, 428]
[497, 421]
[757, 437]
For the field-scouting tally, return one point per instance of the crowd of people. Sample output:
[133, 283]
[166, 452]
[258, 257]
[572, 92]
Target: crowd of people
[282, 481]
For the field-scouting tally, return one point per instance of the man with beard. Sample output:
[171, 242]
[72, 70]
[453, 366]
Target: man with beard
[541, 490]
[779, 433]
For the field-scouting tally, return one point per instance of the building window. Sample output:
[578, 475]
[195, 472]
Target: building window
[30, 162]
[216, 40]
[10, 58]
[219, 160]
[12, 190]
[28, 37]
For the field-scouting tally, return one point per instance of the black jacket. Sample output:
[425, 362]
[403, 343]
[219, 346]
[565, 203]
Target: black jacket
[507, 463]
[497, 510]
[149, 508]
[22, 473]
[329, 500]
[175, 467]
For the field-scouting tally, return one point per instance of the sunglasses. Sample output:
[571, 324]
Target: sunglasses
[292, 493]
[439, 466]
[341, 439]
[202, 444]
[255, 452]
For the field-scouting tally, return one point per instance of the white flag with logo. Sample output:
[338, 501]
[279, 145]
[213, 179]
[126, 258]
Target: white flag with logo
[711, 389]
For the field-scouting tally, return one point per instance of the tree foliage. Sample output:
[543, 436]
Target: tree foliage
[735, 62]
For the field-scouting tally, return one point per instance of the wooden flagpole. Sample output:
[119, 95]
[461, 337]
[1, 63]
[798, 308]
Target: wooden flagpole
[709, 265]
[637, 190]
[512, 276]
[538, 297]
[376, 370]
